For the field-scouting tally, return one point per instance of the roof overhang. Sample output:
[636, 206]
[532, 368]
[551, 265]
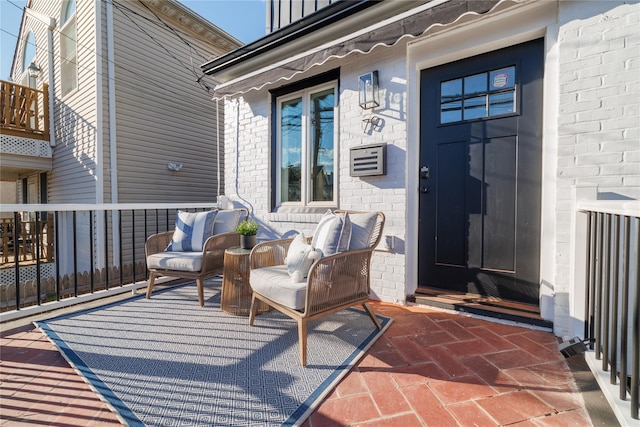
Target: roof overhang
[283, 54]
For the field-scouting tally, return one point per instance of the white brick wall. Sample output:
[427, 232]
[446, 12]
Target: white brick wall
[247, 139]
[599, 120]
[598, 139]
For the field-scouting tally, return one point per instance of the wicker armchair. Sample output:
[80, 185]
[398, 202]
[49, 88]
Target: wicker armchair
[334, 283]
[189, 265]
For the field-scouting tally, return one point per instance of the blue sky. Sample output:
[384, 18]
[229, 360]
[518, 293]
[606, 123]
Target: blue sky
[243, 19]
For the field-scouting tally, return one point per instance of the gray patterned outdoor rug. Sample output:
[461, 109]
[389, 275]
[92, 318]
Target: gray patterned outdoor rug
[168, 362]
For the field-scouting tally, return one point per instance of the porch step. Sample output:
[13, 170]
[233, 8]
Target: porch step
[482, 306]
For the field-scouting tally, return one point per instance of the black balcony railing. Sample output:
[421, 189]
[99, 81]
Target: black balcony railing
[54, 253]
[612, 297]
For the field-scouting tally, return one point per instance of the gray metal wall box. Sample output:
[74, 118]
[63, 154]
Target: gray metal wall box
[368, 160]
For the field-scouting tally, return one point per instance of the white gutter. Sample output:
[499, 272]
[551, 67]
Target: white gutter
[51, 24]
[111, 81]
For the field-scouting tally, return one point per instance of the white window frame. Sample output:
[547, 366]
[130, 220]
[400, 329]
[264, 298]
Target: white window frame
[68, 85]
[306, 192]
[27, 59]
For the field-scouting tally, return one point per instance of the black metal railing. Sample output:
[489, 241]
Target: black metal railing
[88, 248]
[612, 296]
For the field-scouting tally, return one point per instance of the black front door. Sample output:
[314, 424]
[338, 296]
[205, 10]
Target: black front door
[480, 174]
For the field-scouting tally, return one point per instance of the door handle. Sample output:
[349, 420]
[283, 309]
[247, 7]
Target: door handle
[424, 172]
[424, 190]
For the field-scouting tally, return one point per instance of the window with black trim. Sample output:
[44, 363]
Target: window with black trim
[305, 145]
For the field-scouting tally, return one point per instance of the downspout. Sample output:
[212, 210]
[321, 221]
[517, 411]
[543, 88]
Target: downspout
[111, 81]
[113, 146]
[51, 24]
[99, 157]
[52, 128]
[218, 144]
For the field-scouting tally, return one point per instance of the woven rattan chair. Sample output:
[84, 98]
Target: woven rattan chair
[210, 260]
[334, 283]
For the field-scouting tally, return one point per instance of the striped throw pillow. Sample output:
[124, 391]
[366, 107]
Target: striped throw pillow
[332, 234]
[192, 230]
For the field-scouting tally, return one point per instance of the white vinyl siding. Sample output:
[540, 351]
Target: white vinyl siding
[163, 115]
[73, 179]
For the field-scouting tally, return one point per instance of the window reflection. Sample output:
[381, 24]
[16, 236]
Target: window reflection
[291, 150]
[322, 146]
[475, 85]
[478, 96]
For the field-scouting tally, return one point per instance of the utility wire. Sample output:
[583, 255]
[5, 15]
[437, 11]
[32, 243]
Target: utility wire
[140, 76]
[160, 23]
[162, 92]
[173, 30]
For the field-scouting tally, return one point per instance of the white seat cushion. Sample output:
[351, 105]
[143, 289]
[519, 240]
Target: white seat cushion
[180, 261]
[276, 284]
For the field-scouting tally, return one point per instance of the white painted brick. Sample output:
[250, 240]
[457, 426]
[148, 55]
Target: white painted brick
[598, 159]
[600, 114]
[599, 137]
[578, 128]
[632, 156]
[619, 123]
[600, 93]
[601, 47]
[582, 84]
[579, 171]
[620, 145]
[632, 181]
[625, 169]
[569, 63]
[575, 107]
[566, 162]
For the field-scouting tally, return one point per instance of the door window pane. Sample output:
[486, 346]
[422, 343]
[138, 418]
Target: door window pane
[502, 79]
[502, 103]
[451, 112]
[475, 85]
[478, 96]
[291, 150]
[450, 101]
[475, 108]
[450, 91]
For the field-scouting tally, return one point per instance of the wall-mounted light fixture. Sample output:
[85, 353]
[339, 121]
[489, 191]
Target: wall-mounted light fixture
[33, 70]
[176, 167]
[368, 90]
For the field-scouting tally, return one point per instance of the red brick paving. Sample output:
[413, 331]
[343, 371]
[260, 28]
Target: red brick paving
[429, 369]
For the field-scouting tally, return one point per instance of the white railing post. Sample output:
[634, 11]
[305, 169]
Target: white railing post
[578, 260]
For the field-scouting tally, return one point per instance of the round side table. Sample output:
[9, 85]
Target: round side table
[236, 291]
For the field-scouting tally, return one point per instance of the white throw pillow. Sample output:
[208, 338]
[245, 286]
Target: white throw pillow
[332, 234]
[227, 221]
[362, 226]
[300, 257]
[192, 230]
